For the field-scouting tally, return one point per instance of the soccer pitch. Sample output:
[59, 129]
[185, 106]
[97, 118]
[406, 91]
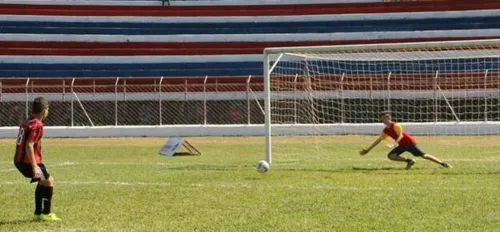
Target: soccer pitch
[122, 184]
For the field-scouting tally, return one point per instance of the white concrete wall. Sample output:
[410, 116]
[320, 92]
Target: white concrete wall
[463, 128]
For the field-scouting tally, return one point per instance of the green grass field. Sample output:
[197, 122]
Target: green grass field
[123, 185]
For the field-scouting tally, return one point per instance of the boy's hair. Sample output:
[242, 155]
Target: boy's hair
[39, 104]
[384, 113]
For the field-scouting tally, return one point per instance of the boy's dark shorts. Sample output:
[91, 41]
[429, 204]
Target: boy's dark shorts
[414, 150]
[27, 171]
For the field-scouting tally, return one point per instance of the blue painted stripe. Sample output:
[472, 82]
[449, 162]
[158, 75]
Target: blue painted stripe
[248, 28]
[247, 68]
[130, 70]
[130, 66]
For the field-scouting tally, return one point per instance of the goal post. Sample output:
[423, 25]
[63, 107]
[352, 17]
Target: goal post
[433, 88]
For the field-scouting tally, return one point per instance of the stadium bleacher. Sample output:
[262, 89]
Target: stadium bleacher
[57, 41]
[198, 46]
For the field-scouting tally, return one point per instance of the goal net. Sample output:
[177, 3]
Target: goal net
[446, 94]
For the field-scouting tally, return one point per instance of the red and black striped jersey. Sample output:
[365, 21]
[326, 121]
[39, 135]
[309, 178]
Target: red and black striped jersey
[29, 131]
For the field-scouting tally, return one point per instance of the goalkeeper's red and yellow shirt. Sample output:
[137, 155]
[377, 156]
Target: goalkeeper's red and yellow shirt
[394, 130]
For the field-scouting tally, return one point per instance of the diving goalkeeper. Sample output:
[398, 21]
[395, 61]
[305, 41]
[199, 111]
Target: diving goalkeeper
[403, 142]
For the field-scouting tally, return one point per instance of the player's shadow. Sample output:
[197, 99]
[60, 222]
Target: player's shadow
[375, 168]
[314, 170]
[182, 153]
[17, 222]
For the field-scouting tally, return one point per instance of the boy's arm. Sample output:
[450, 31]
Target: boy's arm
[31, 156]
[399, 132]
[30, 150]
[364, 151]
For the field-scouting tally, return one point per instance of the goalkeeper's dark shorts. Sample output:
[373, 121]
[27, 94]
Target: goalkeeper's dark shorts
[414, 150]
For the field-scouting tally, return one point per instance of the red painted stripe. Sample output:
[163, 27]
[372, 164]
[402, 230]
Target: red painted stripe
[238, 83]
[257, 10]
[198, 48]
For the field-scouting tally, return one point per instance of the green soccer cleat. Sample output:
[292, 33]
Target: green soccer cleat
[36, 217]
[49, 217]
[446, 165]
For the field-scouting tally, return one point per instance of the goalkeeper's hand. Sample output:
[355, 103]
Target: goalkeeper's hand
[392, 145]
[363, 151]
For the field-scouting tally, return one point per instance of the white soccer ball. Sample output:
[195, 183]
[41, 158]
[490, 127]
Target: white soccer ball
[262, 166]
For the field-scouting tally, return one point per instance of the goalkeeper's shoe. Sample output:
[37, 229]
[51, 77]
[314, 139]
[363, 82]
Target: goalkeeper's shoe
[410, 163]
[49, 217]
[445, 165]
[36, 217]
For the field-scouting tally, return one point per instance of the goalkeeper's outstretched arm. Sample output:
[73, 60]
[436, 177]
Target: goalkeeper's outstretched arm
[364, 151]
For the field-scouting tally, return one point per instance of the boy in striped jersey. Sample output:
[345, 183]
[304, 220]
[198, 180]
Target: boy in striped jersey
[28, 159]
[403, 142]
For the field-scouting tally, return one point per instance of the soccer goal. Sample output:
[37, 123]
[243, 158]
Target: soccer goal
[445, 93]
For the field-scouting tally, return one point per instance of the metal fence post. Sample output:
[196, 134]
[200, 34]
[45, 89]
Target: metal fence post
[389, 92]
[248, 98]
[435, 80]
[371, 87]
[205, 101]
[124, 89]
[64, 90]
[185, 89]
[295, 98]
[116, 101]
[160, 101]
[72, 102]
[485, 95]
[32, 91]
[27, 98]
[342, 98]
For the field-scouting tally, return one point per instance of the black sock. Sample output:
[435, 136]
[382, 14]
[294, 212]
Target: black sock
[38, 199]
[47, 199]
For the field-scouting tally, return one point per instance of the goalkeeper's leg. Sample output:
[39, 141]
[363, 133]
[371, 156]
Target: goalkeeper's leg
[394, 155]
[416, 151]
[436, 160]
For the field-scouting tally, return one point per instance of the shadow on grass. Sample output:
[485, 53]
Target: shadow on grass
[185, 154]
[313, 170]
[208, 167]
[18, 222]
[376, 168]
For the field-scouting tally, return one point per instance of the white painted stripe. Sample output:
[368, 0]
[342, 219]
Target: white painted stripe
[246, 185]
[222, 96]
[129, 59]
[255, 37]
[183, 2]
[254, 19]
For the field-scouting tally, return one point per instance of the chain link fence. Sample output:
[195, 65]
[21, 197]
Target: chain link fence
[151, 101]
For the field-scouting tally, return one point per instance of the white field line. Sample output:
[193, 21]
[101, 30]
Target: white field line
[55, 165]
[285, 163]
[247, 186]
